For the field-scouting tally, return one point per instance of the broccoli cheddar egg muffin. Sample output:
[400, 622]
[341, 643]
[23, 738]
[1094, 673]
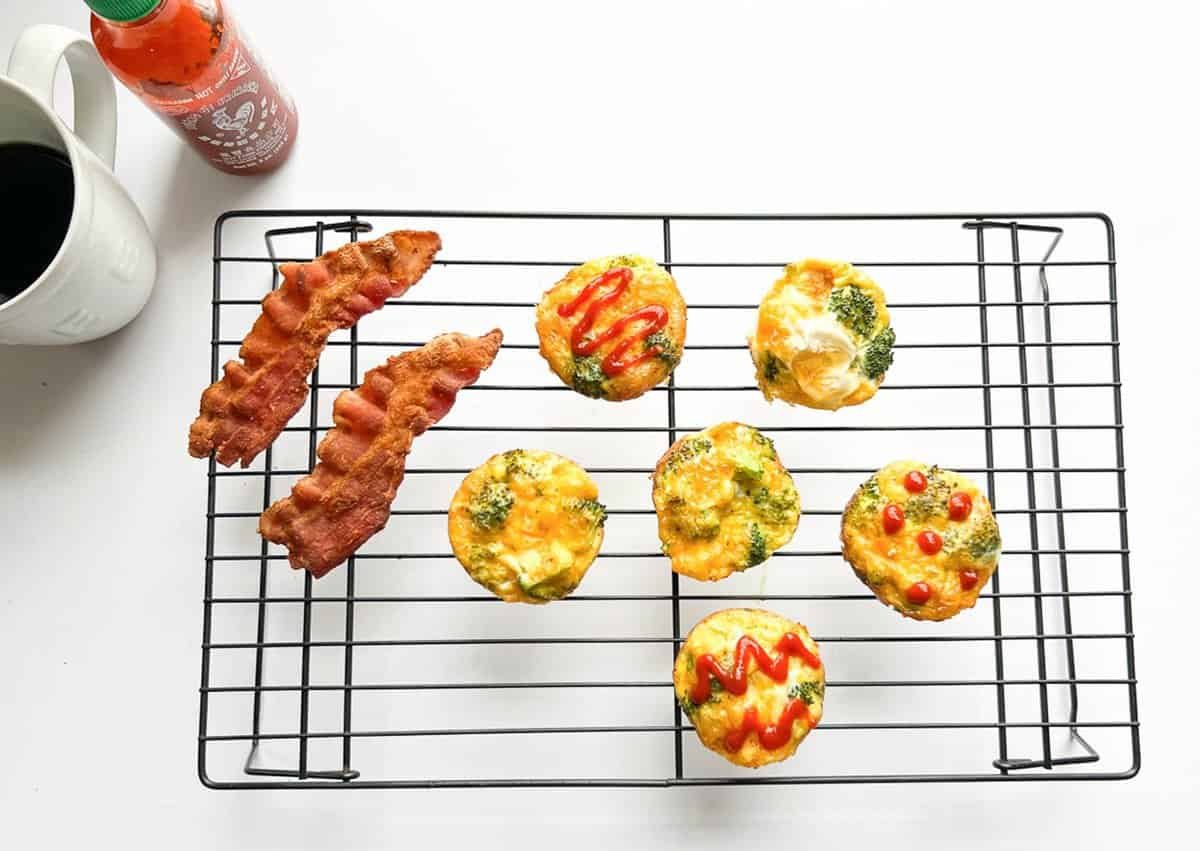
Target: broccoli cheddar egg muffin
[922, 538]
[824, 339]
[526, 525]
[613, 328]
[752, 684]
[724, 500]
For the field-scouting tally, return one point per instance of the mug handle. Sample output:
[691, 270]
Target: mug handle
[33, 63]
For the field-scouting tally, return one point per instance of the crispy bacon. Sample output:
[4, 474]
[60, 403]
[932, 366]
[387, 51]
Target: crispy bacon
[241, 414]
[348, 497]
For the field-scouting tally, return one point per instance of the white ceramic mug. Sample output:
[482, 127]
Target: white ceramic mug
[104, 270]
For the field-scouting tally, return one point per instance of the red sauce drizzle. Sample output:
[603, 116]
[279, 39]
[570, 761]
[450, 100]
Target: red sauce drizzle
[652, 317]
[770, 736]
[735, 681]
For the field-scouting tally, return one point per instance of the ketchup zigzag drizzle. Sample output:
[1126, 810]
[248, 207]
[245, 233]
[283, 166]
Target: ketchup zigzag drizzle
[653, 318]
[770, 736]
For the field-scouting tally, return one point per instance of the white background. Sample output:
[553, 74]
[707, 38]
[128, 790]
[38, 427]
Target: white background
[853, 106]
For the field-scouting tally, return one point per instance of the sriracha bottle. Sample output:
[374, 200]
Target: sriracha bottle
[188, 61]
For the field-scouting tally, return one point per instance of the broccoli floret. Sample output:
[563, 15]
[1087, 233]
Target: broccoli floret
[592, 510]
[750, 464]
[855, 309]
[518, 463]
[807, 691]
[764, 441]
[984, 543]
[687, 450]
[877, 355]
[588, 377]
[700, 524]
[935, 484]
[553, 587]
[772, 367]
[866, 503]
[747, 465]
[489, 508]
[479, 555]
[931, 502]
[921, 507]
[869, 495]
[758, 546]
[715, 691]
[668, 351]
[773, 507]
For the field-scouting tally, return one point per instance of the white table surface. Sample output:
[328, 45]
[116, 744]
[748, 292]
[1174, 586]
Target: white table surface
[855, 106]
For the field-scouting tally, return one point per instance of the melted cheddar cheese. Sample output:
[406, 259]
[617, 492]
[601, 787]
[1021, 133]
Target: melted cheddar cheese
[723, 712]
[893, 563]
[724, 501]
[526, 525]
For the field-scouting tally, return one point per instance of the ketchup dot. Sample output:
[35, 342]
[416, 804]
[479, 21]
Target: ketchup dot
[959, 506]
[929, 542]
[893, 518]
[968, 579]
[918, 593]
[915, 482]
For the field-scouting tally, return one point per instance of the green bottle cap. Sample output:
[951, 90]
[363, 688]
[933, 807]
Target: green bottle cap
[123, 10]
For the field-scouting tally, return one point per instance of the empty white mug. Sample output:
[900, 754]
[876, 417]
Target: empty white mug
[104, 270]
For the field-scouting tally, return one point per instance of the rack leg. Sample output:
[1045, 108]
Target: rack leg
[345, 773]
[990, 454]
[1048, 760]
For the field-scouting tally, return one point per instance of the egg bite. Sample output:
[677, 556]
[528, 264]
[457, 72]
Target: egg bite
[526, 525]
[613, 328]
[824, 338]
[725, 502]
[752, 684]
[922, 538]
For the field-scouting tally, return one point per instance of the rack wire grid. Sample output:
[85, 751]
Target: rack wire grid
[397, 671]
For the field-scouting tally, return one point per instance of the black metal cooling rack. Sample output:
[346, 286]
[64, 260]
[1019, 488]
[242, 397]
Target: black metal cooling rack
[1046, 657]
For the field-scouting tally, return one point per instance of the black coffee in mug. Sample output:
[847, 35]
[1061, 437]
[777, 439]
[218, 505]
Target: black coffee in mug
[38, 193]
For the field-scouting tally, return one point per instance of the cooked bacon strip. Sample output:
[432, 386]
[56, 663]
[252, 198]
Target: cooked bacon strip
[348, 497]
[245, 411]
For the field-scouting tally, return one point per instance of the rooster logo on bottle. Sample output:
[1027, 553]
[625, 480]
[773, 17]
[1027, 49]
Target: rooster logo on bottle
[239, 122]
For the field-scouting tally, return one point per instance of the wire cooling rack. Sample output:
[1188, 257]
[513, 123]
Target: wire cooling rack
[397, 671]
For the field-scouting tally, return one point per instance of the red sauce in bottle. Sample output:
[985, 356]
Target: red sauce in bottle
[189, 62]
[770, 736]
[651, 318]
